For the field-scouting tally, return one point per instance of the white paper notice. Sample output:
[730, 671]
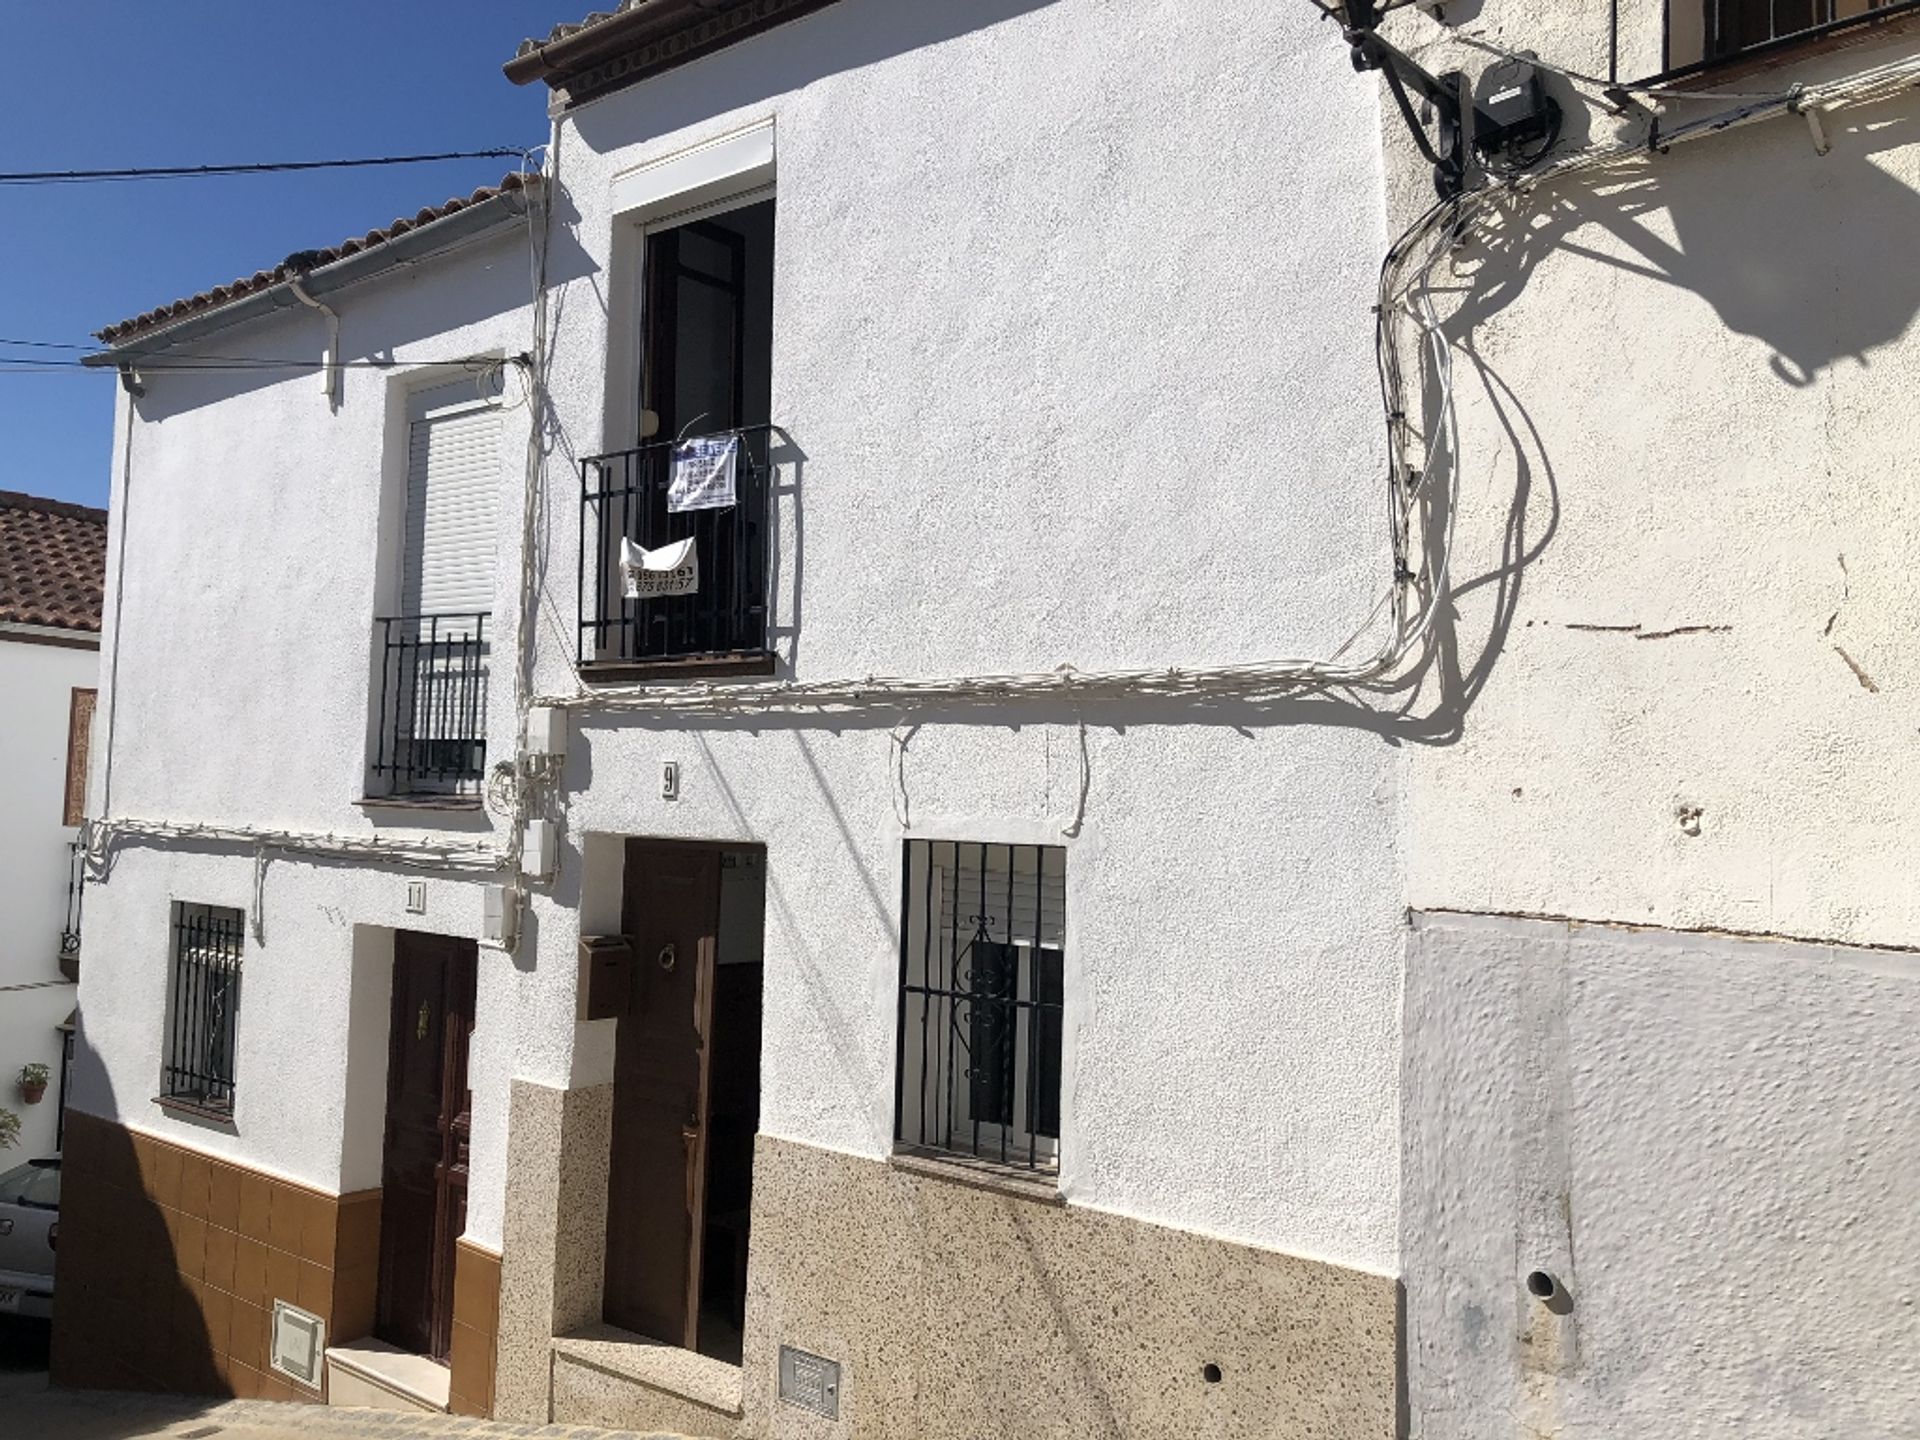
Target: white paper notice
[671, 570]
[703, 474]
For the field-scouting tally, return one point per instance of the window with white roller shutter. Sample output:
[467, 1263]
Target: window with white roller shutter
[453, 486]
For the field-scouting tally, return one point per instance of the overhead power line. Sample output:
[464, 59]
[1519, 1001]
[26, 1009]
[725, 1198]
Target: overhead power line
[270, 167]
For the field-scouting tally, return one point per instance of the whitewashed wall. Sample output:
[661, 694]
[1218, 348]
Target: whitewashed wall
[248, 557]
[38, 682]
[1072, 328]
[1693, 388]
[1684, 597]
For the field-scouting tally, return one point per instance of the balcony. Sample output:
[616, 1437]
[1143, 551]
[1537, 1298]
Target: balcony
[707, 616]
[431, 738]
[76, 897]
[1707, 33]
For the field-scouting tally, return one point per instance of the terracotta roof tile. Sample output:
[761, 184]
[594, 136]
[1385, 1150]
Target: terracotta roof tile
[568, 31]
[53, 562]
[308, 260]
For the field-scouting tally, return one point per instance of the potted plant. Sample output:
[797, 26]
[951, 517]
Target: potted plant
[33, 1083]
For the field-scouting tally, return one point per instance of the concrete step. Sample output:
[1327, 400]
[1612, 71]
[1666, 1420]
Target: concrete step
[373, 1375]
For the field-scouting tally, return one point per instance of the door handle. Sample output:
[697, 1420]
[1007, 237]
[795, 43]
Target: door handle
[690, 1139]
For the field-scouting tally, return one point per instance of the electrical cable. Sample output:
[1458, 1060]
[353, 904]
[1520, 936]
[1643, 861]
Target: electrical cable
[269, 167]
[1407, 324]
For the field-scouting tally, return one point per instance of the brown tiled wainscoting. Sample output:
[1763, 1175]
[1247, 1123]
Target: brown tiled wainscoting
[170, 1261]
[476, 1321]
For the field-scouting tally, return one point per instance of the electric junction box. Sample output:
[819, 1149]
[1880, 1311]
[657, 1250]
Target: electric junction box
[1513, 98]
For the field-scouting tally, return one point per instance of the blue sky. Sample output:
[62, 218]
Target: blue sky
[100, 83]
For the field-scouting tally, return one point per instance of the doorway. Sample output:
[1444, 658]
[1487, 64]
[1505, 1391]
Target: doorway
[423, 1178]
[686, 1095]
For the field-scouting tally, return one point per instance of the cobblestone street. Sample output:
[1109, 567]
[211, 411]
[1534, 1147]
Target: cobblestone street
[30, 1411]
[99, 1415]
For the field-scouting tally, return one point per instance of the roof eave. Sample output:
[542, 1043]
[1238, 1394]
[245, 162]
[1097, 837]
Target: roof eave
[605, 56]
[433, 238]
[589, 46]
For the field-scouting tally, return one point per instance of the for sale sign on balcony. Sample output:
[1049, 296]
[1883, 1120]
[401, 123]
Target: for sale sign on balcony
[671, 570]
[703, 474]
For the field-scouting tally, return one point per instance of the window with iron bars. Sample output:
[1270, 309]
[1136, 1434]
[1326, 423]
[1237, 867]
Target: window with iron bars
[1702, 31]
[203, 1007]
[981, 995]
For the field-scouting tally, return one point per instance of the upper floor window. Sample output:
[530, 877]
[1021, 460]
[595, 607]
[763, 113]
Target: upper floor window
[982, 987]
[203, 1008]
[432, 655]
[1702, 30]
[675, 531]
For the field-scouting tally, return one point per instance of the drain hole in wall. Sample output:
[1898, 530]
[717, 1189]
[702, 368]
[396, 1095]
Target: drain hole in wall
[1210, 1373]
[1541, 1285]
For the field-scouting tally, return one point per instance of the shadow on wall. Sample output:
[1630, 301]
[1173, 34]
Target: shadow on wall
[1811, 254]
[168, 1264]
[1807, 253]
[795, 56]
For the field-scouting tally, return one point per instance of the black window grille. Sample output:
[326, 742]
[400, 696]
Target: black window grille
[1702, 31]
[203, 1010]
[981, 996]
[623, 496]
[432, 737]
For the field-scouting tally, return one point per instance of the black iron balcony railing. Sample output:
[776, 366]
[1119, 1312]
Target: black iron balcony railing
[76, 897]
[1701, 33]
[722, 620]
[432, 737]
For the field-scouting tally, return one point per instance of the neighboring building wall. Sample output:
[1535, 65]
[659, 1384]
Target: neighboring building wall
[38, 681]
[254, 540]
[1072, 328]
[1682, 594]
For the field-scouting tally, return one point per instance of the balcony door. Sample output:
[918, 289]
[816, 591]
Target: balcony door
[706, 379]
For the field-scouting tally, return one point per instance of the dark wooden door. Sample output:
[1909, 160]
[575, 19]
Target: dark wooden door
[655, 1190]
[423, 1183]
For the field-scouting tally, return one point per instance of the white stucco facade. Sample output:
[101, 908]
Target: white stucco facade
[1013, 461]
[993, 289]
[38, 678]
[1582, 958]
[240, 693]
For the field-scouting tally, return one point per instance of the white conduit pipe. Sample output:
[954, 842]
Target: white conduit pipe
[330, 370]
[97, 836]
[1399, 303]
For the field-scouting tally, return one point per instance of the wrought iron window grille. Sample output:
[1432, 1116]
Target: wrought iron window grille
[623, 496]
[977, 1063]
[203, 1010]
[432, 729]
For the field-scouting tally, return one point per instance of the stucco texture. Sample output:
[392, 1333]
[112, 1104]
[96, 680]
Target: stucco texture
[1681, 576]
[1708, 1142]
[1074, 380]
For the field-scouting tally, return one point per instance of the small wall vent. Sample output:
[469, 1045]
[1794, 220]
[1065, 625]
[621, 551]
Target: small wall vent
[810, 1382]
[299, 1342]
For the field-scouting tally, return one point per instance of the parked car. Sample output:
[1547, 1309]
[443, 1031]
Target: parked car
[29, 1226]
